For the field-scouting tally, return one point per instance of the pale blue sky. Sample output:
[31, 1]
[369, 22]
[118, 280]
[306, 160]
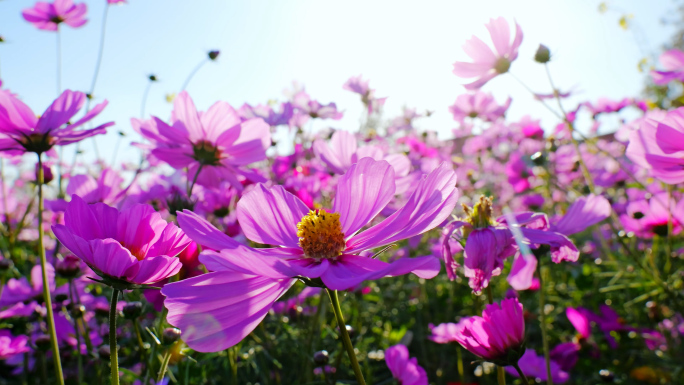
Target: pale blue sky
[406, 48]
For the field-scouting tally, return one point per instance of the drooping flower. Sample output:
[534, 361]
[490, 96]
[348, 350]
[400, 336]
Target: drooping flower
[489, 241]
[48, 16]
[673, 62]
[133, 246]
[21, 131]
[216, 140]
[316, 244]
[478, 105]
[534, 366]
[498, 335]
[406, 370]
[487, 64]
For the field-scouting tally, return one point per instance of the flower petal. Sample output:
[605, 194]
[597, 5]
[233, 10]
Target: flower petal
[270, 216]
[217, 310]
[362, 192]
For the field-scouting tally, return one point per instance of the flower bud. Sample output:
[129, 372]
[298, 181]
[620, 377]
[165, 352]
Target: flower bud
[69, 267]
[213, 54]
[606, 375]
[321, 357]
[132, 310]
[77, 311]
[543, 55]
[170, 335]
[48, 176]
[5, 264]
[350, 330]
[104, 352]
[43, 342]
[61, 297]
[152, 77]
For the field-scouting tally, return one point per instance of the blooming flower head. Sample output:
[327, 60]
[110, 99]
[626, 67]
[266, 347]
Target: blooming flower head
[217, 141]
[133, 246]
[21, 131]
[323, 245]
[48, 16]
[673, 63]
[406, 370]
[11, 345]
[267, 113]
[534, 366]
[361, 87]
[313, 108]
[498, 335]
[478, 105]
[487, 64]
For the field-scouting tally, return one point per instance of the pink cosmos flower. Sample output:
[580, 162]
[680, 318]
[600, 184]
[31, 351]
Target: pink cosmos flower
[134, 245]
[498, 335]
[342, 151]
[11, 345]
[406, 370]
[21, 131]
[314, 109]
[217, 310]
[657, 145]
[47, 16]
[444, 333]
[487, 64]
[673, 62]
[105, 189]
[534, 366]
[21, 290]
[216, 140]
[361, 87]
[267, 113]
[649, 217]
[518, 172]
[478, 105]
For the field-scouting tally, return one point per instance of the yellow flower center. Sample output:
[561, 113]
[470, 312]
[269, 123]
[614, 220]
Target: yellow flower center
[320, 234]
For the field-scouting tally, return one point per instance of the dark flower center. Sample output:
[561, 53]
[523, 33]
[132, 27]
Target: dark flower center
[502, 65]
[206, 153]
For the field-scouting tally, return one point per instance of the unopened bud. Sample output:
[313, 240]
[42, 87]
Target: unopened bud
[543, 55]
[104, 352]
[43, 342]
[48, 176]
[170, 335]
[77, 311]
[132, 310]
[321, 357]
[213, 54]
[69, 267]
[153, 78]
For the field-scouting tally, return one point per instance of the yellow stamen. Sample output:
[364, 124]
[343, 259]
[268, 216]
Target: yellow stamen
[320, 234]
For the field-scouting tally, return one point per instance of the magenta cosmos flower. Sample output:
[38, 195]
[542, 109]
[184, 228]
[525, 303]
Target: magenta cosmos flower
[487, 64]
[47, 16]
[534, 366]
[21, 131]
[658, 145]
[498, 335]
[216, 310]
[133, 246]
[406, 370]
[216, 140]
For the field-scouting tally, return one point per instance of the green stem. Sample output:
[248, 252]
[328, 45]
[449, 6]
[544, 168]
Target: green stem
[194, 180]
[459, 363]
[194, 71]
[46, 286]
[113, 351]
[500, 374]
[522, 375]
[164, 365]
[542, 323]
[79, 359]
[345, 336]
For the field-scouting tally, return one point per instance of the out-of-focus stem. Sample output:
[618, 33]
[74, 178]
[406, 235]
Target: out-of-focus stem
[542, 322]
[345, 336]
[113, 351]
[164, 365]
[46, 286]
[79, 359]
[192, 74]
[522, 375]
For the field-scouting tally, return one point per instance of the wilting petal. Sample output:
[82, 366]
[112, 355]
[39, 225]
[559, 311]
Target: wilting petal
[217, 310]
